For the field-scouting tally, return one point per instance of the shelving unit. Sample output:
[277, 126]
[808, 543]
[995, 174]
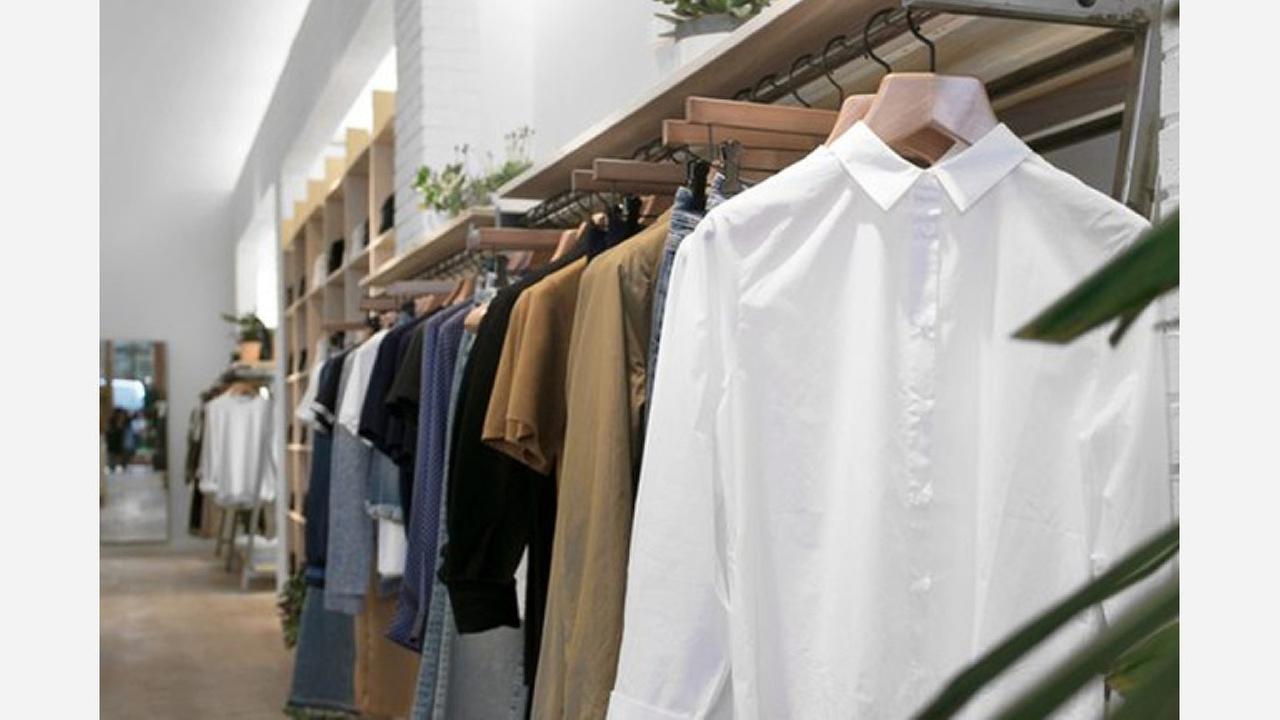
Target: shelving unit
[317, 300]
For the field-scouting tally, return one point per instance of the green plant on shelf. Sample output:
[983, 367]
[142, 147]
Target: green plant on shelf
[249, 328]
[684, 10]
[451, 189]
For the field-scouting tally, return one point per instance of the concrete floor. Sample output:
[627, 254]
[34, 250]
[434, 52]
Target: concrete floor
[136, 507]
[180, 640]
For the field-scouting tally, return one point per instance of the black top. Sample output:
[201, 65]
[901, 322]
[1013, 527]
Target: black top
[315, 505]
[373, 414]
[496, 505]
[327, 389]
[402, 399]
[402, 412]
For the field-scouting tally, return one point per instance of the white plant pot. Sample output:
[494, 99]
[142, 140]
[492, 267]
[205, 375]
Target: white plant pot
[691, 38]
[433, 220]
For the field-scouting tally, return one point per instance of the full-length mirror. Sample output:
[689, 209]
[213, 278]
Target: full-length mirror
[133, 489]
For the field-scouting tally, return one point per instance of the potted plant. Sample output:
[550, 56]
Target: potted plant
[450, 190]
[252, 335]
[696, 25]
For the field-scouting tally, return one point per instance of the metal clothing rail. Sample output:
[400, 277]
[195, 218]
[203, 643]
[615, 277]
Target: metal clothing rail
[1135, 163]
[1135, 166]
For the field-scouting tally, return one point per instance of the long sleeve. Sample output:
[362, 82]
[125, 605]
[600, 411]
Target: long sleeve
[1126, 452]
[489, 496]
[674, 660]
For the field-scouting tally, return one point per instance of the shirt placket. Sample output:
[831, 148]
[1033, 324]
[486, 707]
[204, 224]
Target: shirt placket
[921, 384]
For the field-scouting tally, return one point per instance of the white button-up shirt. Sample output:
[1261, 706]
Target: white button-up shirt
[855, 481]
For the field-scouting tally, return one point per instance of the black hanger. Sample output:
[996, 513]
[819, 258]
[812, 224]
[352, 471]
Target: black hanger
[795, 90]
[866, 37]
[933, 51]
[696, 171]
[826, 67]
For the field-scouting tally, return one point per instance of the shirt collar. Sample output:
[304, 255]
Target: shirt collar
[967, 175]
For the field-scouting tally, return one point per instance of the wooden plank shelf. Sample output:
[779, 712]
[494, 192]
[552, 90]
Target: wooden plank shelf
[348, 195]
[445, 242]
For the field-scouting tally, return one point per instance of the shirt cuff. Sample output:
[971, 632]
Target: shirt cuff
[480, 605]
[622, 707]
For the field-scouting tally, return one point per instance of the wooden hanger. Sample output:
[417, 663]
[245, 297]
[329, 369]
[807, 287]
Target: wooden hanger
[513, 238]
[758, 116]
[638, 171]
[567, 240]
[682, 132]
[923, 114]
[853, 109]
[466, 289]
[585, 181]
[242, 388]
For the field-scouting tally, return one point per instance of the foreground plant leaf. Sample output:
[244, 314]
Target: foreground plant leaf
[1155, 697]
[1141, 662]
[1092, 660]
[1135, 566]
[1119, 290]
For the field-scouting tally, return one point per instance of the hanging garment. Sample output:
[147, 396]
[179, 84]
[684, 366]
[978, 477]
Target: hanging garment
[237, 465]
[603, 440]
[385, 674]
[497, 507]
[351, 540]
[526, 414]
[315, 504]
[477, 675]
[435, 374]
[438, 631]
[855, 481]
[381, 427]
[684, 218]
[324, 662]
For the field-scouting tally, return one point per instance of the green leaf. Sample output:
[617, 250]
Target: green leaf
[1092, 660]
[1121, 289]
[1156, 697]
[1135, 566]
[1137, 666]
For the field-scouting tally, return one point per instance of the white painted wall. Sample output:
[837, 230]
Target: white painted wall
[588, 63]
[166, 275]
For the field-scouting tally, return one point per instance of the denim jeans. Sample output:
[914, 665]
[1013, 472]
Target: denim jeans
[684, 218]
[324, 663]
[384, 489]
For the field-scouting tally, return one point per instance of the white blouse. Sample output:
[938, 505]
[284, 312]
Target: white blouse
[855, 481]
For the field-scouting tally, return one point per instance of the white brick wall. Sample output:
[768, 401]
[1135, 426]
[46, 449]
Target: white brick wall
[465, 77]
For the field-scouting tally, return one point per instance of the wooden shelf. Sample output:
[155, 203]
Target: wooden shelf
[435, 247]
[350, 188]
[361, 260]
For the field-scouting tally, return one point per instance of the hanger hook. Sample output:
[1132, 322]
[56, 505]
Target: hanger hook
[766, 80]
[866, 38]
[791, 74]
[933, 51]
[826, 67]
